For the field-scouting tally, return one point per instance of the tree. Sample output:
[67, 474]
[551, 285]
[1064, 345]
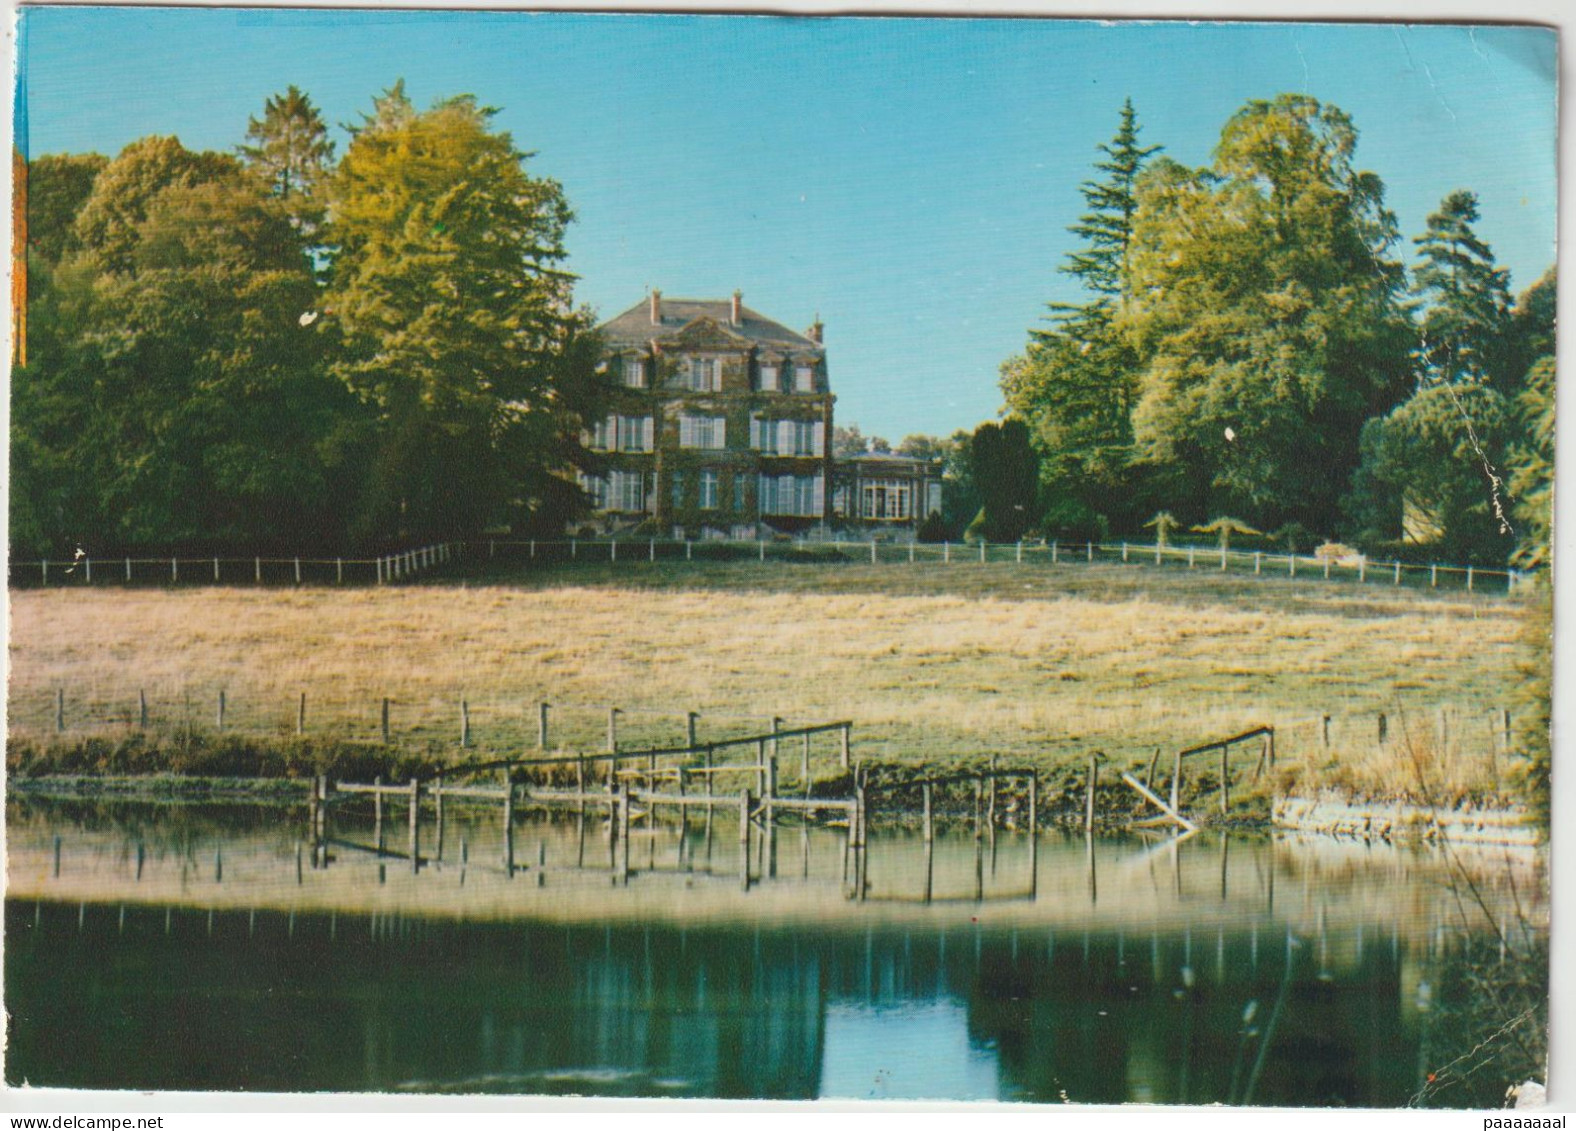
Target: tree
[455, 320]
[1074, 385]
[1464, 296]
[1223, 528]
[174, 397]
[57, 187]
[1006, 474]
[931, 449]
[1264, 305]
[1432, 471]
[291, 151]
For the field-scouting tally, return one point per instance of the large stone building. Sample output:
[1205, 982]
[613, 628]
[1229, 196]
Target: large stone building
[720, 422]
[720, 419]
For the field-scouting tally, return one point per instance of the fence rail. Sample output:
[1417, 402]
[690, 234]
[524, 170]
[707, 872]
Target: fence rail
[407, 564]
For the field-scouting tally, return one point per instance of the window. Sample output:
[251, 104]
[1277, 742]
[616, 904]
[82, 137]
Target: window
[787, 437]
[739, 480]
[804, 379]
[708, 490]
[635, 433]
[598, 437]
[705, 374]
[888, 499]
[708, 432]
[763, 435]
[626, 492]
[799, 495]
[635, 372]
[596, 487]
[769, 378]
[678, 489]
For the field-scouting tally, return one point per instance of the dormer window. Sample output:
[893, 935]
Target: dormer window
[770, 376]
[804, 379]
[634, 373]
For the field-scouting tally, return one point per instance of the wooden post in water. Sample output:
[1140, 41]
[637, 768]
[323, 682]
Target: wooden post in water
[847, 727]
[929, 832]
[710, 779]
[990, 804]
[508, 821]
[437, 802]
[623, 834]
[1225, 782]
[978, 790]
[415, 826]
[1094, 775]
[1176, 783]
[377, 811]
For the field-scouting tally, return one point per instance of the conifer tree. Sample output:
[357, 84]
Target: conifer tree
[1465, 299]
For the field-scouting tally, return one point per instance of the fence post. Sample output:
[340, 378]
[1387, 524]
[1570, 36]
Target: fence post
[1176, 782]
[415, 826]
[689, 729]
[257, 570]
[128, 569]
[1469, 579]
[385, 720]
[911, 553]
[1225, 782]
[872, 551]
[1020, 551]
[689, 550]
[301, 715]
[87, 570]
[1326, 569]
[1090, 548]
[1190, 552]
[1094, 774]
[1291, 564]
[1258, 561]
[541, 726]
[142, 708]
[572, 547]
[339, 571]
[60, 709]
[44, 566]
[1324, 730]
[762, 545]
[533, 549]
[1124, 553]
[1053, 551]
[653, 549]
[1384, 728]
[846, 728]
[1433, 577]
[465, 724]
[1223, 559]
[298, 571]
[612, 550]
[1397, 573]
[982, 551]
[220, 719]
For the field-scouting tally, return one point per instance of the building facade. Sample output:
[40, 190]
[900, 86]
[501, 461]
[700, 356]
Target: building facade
[884, 490]
[719, 421]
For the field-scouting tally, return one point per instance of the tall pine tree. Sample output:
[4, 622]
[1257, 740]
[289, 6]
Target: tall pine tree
[1465, 300]
[1074, 385]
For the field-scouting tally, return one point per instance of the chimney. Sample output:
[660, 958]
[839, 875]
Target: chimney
[815, 330]
[738, 308]
[656, 307]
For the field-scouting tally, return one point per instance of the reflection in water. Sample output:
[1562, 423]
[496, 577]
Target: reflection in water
[181, 948]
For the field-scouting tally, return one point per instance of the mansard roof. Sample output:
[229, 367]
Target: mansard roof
[634, 327]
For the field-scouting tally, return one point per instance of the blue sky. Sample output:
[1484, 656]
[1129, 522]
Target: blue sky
[909, 180]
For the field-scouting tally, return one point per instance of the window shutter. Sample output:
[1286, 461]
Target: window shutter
[818, 495]
[648, 431]
[785, 437]
[686, 432]
[820, 438]
[755, 432]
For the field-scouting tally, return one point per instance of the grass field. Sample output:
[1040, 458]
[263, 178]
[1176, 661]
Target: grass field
[1030, 663]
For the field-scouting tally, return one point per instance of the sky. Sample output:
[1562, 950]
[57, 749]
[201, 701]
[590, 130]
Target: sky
[909, 181]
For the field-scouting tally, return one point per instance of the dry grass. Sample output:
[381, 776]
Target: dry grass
[1028, 662]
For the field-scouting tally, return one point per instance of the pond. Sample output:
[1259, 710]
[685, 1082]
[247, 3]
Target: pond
[182, 947]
